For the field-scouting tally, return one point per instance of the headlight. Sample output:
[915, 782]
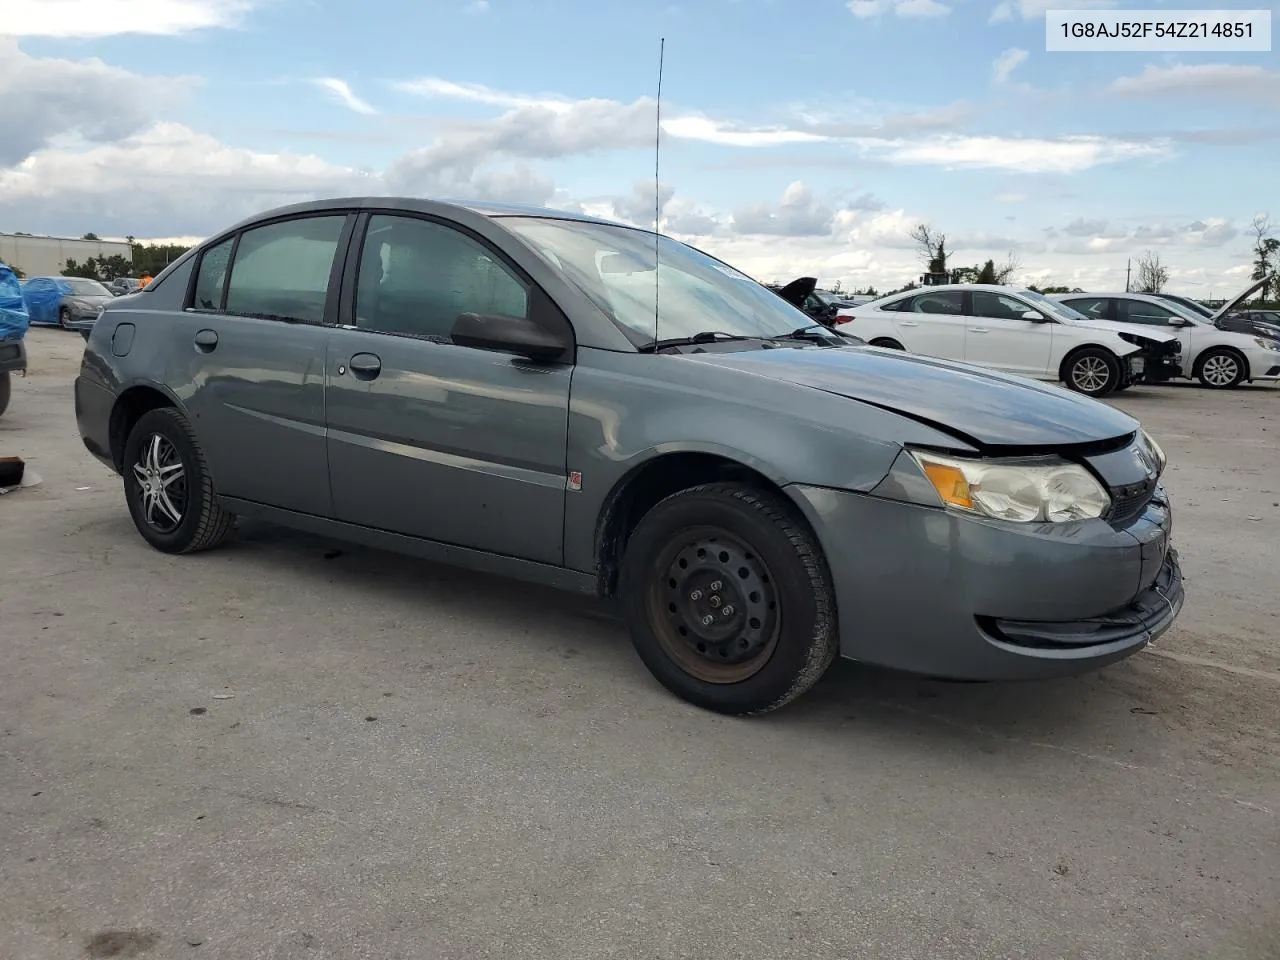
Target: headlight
[1161, 460]
[1267, 344]
[1044, 489]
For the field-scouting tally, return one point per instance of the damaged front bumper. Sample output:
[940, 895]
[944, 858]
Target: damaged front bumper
[1154, 362]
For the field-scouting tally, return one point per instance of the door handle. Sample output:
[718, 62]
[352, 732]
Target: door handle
[909, 323]
[978, 330]
[365, 366]
[206, 340]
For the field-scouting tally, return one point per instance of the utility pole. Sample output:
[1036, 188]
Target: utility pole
[1128, 267]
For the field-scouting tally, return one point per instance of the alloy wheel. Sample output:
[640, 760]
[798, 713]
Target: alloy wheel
[161, 477]
[1090, 374]
[1221, 370]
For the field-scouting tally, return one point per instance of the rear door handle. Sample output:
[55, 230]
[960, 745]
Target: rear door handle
[978, 330]
[365, 366]
[206, 340]
[909, 323]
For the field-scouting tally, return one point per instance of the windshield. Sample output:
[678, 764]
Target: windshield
[1052, 308]
[87, 288]
[1190, 305]
[614, 267]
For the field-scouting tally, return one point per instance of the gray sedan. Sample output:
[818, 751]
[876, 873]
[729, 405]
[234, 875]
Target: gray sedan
[559, 398]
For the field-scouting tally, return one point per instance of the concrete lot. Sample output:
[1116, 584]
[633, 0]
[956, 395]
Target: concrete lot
[417, 762]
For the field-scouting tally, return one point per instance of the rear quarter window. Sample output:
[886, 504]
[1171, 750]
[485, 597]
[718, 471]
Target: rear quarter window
[283, 269]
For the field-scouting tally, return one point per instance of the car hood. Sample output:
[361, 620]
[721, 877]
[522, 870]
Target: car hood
[1239, 298]
[981, 407]
[1137, 329]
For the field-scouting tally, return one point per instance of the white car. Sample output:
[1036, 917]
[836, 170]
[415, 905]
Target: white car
[1016, 330]
[1218, 358]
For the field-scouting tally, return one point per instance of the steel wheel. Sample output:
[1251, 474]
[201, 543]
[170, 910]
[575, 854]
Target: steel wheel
[1090, 374]
[161, 477]
[1221, 369]
[714, 609]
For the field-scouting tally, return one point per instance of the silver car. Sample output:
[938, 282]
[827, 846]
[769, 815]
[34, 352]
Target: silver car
[572, 401]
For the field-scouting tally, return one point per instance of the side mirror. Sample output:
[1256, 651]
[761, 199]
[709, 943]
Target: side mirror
[1179, 322]
[493, 331]
[1034, 316]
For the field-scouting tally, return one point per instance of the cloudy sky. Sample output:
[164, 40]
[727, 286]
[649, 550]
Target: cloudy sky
[800, 137]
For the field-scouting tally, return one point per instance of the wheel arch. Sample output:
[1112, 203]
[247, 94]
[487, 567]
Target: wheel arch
[130, 405]
[1094, 345]
[1239, 354]
[665, 472]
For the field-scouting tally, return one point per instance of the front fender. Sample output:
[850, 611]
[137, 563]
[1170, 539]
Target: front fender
[625, 411]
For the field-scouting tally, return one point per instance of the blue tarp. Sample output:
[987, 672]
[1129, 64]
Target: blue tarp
[13, 312]
[43, 296]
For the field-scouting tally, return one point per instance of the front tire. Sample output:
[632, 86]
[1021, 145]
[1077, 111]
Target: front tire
[64, 318]
[168, 488]
[729, 599]
[1221, 369]
[1093, 371]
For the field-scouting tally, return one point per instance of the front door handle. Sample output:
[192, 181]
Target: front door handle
[206, 340]
[365, 366]
[909, 323]
[978, 330]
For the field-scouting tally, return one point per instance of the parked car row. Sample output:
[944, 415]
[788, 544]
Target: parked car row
[522, 391]
[69, 302]
[1095, 343]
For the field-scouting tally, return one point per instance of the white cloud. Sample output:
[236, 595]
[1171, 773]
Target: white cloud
[689, 127]
[105, 18]
[167, 179]
[1008, 197]
[437, 88]
[1006, 63]
[42, 99]
[906, 9]
[1024, 155]
[341, 91]
[477, 7]
[1203, 80]
[712, 131]
[798, 214]
[1006, 10]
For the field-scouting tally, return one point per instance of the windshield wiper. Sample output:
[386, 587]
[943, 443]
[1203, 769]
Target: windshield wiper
[702, 336]
[816, 333]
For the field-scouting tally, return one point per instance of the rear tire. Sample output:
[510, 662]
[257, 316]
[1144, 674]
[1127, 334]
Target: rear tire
[168, 488]
[887, 343]
[6, 391]
[1221, 369]
[1093, 371]
[729, 599]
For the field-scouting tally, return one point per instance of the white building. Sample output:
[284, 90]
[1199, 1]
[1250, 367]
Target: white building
[48, 256]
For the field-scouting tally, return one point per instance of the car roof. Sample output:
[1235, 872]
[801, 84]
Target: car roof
[485, 208]
[943, 287]
[1122, 294]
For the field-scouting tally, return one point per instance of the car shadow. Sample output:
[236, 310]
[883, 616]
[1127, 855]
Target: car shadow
[896, 704]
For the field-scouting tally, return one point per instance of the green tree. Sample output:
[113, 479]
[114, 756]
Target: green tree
[1266, 257]
[88, 269]
[1152, 273]
[91, 236]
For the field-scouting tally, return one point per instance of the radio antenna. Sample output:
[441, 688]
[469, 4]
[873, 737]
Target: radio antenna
[657, 188]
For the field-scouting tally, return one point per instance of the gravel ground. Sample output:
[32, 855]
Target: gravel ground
[290, 748]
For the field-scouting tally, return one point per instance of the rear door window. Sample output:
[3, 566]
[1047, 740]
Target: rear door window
[946, 303]
[1095, 308]
[282, 270]
[1139, 311]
